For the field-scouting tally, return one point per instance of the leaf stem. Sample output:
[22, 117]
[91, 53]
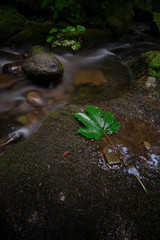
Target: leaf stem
[119, 153]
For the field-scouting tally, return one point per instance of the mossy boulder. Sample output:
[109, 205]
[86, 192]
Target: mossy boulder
[148, 64]
[37, 49]
[155, 25]
[55, 197]
[11, 22]
[146, 68]
[42, 67]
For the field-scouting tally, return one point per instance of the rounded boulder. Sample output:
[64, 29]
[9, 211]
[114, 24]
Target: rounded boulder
[43, 68]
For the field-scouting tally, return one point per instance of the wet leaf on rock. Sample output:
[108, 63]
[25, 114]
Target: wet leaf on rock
[95, 124]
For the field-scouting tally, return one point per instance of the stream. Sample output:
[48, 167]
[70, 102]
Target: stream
[94, 73]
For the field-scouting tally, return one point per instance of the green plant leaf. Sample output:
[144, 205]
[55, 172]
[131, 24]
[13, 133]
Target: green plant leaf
[71, 29]
[80, 28]
[95, 124]
[53, 45]
[63, 30]
[53, 30]
[49, 39]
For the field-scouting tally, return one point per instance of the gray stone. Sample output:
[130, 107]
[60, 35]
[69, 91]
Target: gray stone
[43, 68]
[151, 82]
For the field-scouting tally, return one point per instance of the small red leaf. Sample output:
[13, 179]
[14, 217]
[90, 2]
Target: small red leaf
[66, 153]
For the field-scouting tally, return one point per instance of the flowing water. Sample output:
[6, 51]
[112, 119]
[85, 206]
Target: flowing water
[96, 73]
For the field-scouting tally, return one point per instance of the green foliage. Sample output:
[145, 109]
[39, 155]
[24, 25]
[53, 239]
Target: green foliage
[97, 125]
[154, 63]
[53, 30]
[60, 37]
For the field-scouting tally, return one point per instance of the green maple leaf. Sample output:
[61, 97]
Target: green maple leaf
[97, 125]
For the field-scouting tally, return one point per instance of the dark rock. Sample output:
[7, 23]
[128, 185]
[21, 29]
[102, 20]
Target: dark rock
[10, 23]
[155, 24]
[14, 68]
[51, 198]
[43, 68]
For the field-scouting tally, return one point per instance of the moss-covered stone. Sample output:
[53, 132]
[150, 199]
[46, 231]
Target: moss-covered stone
[155, 27]
[148, 64]
[52, 196]
[154, 63]
[37, 49]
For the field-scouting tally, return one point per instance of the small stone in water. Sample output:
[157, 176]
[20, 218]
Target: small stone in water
[111, 157]
[35, 99]
[147, 145]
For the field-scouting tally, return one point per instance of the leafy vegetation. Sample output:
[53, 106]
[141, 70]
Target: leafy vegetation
[61, 37]
[97, 125]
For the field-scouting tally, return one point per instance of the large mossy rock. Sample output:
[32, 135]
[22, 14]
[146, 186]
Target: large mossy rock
[146, 70]
[45, 195]
[42, 67]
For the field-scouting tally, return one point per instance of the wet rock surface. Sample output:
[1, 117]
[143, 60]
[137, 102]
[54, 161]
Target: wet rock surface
[13, 68]
[48, 196]
[43, 68]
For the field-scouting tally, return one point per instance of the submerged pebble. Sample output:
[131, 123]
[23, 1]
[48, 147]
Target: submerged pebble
[34, 98]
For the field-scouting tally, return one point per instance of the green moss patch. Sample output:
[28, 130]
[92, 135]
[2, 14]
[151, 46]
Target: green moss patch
[154, 64]
[156, 22]
[148, 64]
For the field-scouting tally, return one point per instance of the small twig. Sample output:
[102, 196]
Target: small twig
[119, 153]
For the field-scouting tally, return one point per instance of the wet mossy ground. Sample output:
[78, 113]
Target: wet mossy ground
[47, 196]
[143, 66]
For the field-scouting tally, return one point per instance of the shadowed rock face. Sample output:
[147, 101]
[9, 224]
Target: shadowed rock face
[43, 68]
